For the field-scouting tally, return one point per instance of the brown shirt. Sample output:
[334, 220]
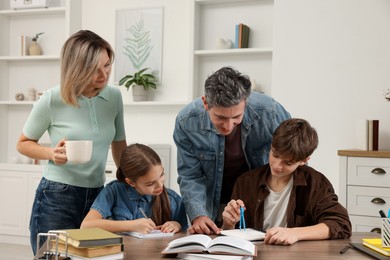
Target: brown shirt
[312, 201]
[235, 163]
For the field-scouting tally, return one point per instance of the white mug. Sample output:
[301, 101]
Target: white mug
[79, 151]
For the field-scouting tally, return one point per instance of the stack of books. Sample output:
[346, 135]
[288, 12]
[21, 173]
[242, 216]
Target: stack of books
[376, 245]
[242, 36]
[89, 243]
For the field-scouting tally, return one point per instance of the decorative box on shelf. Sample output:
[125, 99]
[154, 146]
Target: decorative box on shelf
[27, 4]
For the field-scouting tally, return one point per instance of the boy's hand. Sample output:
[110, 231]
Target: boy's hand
[231, 213]
[144, 225]
[170, 227]
[280, 236]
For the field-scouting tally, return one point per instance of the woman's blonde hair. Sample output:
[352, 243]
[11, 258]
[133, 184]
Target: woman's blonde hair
[80, 56]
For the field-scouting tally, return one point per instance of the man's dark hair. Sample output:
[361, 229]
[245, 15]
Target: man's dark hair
[227, 87]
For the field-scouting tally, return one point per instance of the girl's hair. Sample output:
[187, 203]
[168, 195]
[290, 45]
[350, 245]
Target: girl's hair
[80, 58]
[136, 161]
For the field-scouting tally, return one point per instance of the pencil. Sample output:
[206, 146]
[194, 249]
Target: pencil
[143, 212]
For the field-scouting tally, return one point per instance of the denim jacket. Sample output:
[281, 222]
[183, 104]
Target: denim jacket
[201, 150]
[120, 201]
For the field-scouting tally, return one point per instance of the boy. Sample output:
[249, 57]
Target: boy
[288, 199]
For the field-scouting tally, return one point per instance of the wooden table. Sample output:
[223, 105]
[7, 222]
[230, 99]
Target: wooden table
[147, 249]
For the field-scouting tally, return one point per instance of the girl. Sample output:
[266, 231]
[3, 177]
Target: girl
[122, 205]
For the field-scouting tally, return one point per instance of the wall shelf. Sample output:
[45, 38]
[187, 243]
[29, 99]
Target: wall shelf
[37, 11]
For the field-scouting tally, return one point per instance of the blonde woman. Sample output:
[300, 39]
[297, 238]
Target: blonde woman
[83, 107]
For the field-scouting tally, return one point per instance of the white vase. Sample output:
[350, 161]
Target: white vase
[35, 49]
[139, 93]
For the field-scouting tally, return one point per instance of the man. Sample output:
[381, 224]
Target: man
[218, 137]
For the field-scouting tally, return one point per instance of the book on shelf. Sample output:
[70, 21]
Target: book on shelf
[199, 243]
[25, 42]
[153, 234]
[88, 237]
[367, 135]
[188, 256]
[245, 36]
[376, 245]
[373, 135]
[242, 36]
[247, 234]
[86, 251]
[236, 36]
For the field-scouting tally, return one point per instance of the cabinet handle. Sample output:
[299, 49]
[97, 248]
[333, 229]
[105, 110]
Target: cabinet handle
[376, 230]
[378, 171]
[108, 171]
[378, 201]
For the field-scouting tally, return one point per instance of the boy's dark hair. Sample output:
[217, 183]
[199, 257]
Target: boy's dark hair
[294, 139]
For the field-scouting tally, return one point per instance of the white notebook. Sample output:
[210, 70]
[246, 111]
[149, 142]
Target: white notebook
[247, 234]
[152, 234]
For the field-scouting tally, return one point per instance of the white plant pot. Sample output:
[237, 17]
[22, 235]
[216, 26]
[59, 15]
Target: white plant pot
[139, 93]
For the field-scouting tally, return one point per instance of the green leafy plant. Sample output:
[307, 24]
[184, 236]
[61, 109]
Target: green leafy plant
[140, 78]
[137, 49]
[36, 36]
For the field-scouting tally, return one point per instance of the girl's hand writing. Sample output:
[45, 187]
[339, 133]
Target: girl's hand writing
[143, 225]
[170, 227]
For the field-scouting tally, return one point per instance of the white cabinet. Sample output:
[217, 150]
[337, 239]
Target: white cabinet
[217, 19]
[19, 73]
[17, 190]
[364, 187]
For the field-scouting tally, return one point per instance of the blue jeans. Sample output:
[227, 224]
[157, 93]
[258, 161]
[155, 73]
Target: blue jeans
[58, 206]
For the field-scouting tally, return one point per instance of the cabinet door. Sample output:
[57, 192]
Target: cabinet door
[13, 202]
[369, 171]
[365, 224]
[367, 201]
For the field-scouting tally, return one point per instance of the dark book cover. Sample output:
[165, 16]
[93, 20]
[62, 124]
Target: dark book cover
[375, 135]
[245, 36]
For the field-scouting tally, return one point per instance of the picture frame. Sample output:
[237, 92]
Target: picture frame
[139, 41]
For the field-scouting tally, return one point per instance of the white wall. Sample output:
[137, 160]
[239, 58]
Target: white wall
[330, 65]
[151, 124]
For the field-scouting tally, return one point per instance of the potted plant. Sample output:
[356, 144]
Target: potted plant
[35, 49]
[141, 82]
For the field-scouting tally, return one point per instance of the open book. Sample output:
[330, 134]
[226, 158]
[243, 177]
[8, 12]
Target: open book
[247, 234]
[204, 244]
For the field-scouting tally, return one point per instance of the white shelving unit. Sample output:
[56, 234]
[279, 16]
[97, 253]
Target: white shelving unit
[210, 22]
[18, 74]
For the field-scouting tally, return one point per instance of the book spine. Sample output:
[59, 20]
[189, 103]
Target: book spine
[245, 36]
[370, 135]
[375, 135]
[362, 134]
[236, 40]
[240, 35]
